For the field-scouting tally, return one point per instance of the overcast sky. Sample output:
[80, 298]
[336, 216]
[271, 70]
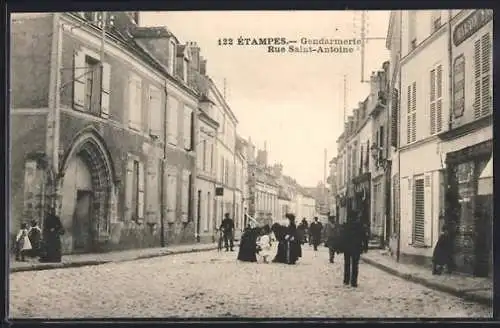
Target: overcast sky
[294, 102]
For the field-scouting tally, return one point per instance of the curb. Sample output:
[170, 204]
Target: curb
[436, 286]
[68, 265]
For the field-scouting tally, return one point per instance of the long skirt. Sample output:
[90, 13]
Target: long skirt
[280, 253]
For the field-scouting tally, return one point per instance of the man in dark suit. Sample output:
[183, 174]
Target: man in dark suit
[227, 227]
[353, 247]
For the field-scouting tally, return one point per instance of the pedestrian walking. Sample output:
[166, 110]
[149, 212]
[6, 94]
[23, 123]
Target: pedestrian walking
[442, 255]
[305, 225]
[293, 249]
[52, 232]
[35, 237]
[352, 247]
[23, 244]
[227, 227]
[331, 236]
[316, 229]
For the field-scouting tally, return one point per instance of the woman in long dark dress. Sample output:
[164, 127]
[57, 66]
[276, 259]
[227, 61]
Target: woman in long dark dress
[53, 230]
[248, 245]
[279, 232]
[292, 245]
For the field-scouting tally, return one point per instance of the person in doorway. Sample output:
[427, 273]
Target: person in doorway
[53, 230]
[23, 244]
[35, 236]
[442, 255]
[316, 229]
[227, 227]
[352, 247]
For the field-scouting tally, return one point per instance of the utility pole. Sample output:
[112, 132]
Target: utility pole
[364, 38]
[54, 113]
[325, 196]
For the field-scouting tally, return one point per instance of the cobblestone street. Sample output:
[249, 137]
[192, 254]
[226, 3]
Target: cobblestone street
[212, 284]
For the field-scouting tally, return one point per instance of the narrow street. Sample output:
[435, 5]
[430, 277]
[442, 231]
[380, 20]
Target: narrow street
[213, 284]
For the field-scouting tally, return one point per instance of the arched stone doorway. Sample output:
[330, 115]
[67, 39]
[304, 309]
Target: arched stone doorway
[87, 192]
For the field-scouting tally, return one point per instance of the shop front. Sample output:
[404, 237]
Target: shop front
[469, 210]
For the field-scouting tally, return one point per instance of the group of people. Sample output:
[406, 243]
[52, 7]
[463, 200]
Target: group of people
[349, 238]
[34, 243]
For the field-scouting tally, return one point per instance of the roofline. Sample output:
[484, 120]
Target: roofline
[223, 101]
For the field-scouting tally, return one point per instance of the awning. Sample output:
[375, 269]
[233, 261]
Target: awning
[485, 182]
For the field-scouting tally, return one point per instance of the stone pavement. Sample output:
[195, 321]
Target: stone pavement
[469, 288]
[78, 260]
[215, 284]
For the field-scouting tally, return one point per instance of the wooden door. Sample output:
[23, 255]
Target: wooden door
[82, 227]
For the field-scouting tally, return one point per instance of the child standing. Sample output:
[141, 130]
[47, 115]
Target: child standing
[264, 244]
[23, 243]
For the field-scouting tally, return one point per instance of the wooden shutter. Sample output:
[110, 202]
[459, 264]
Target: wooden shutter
[171, 195]
[192, 118]
[428, 209]
[172, 120]
[140, 192]
[439, 115]
[79, 76]
[187, 128]
[185, 195]
[433, 101]
[485, 72]
[134, 102]
[413, 126]
[129, 185]
[408, 116]
[419, 216]
[152, 191]
[477, 79]
[105, 89]
[407, 207]
[155, 117]
[394, 118]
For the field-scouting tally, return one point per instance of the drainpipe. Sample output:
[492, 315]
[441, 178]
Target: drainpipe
[194, 173]
[450, 65]
[163, 171]
[400, 50]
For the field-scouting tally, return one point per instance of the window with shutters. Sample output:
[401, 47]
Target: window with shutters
[419, 214]
[135, 102]
[155, 116]
[172, 120]
[411, 119]
[91, 83]
[436, 99]
[395, 203]
[171, 194]
[483, 100]
[459, 86]
[394, 118]
[187, 130]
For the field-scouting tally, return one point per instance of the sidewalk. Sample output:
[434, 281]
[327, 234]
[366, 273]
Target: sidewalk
[78, 260]
[479, 290]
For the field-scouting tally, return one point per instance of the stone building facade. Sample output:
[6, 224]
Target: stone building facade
[109, 140]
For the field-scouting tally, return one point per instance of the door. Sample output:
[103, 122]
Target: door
[483, 226]
[82, 227]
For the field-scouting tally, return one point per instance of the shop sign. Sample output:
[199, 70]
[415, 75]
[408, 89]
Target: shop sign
[471, 24]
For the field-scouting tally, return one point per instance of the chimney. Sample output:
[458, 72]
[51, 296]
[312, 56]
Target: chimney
[195, 55]
[203, 66]
[278, 170]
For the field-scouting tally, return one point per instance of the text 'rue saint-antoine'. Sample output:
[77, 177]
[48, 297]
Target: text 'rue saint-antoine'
[302, 45]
